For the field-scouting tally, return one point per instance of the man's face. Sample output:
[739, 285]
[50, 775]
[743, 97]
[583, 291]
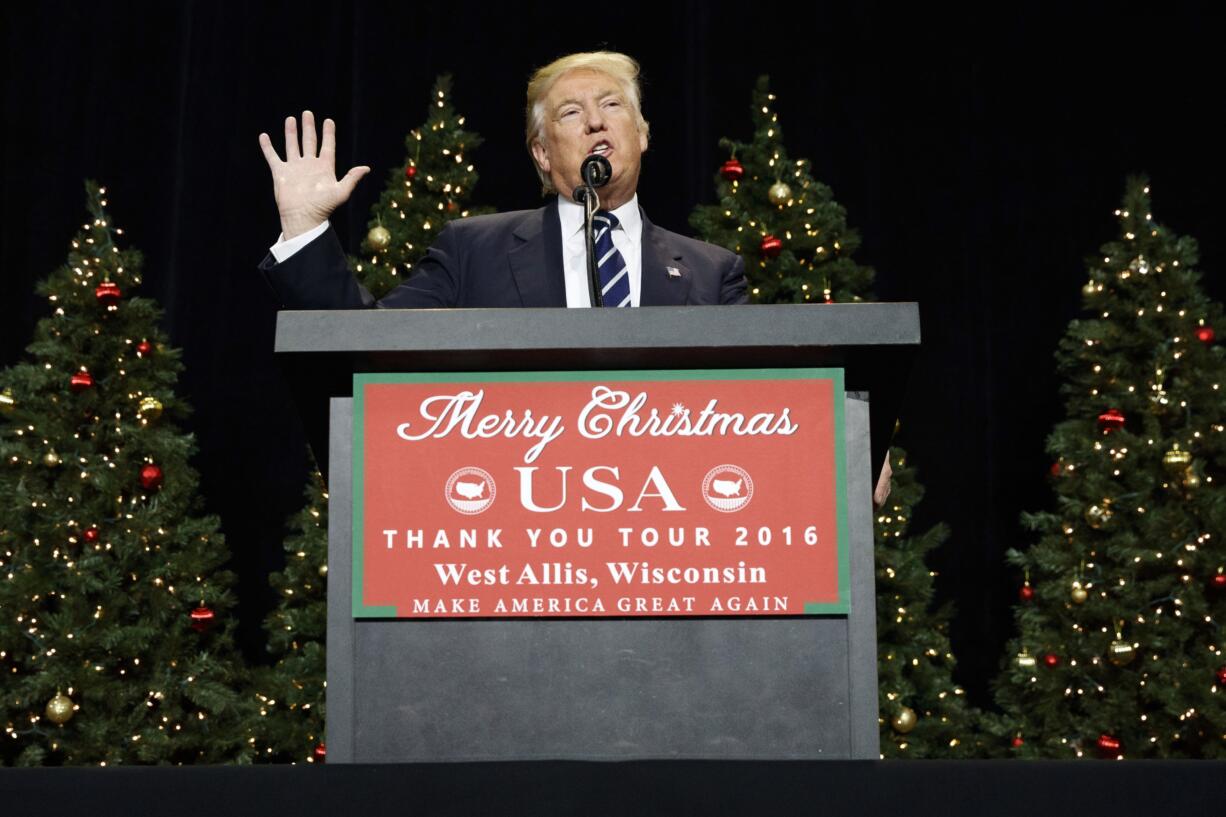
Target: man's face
[586, 112]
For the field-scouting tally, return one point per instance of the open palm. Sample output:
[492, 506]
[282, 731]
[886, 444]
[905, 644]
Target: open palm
[305, 183]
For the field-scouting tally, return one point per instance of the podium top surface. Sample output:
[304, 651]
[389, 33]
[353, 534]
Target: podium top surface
[874, 343]
[707, 327]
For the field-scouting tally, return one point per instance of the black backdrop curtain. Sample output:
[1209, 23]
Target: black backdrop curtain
[980, 154]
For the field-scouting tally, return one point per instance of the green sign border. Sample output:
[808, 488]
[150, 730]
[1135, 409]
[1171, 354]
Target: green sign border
[360, 381]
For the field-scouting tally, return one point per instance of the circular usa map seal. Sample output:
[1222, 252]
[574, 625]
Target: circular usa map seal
[470, 490]
[727, 488]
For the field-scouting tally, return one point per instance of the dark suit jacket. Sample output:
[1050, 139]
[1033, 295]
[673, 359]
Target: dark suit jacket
[505, 260]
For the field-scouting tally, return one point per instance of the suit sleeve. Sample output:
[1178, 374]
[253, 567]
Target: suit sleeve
[733, 286]
[437, 278]
[318, 277]
[315, 277]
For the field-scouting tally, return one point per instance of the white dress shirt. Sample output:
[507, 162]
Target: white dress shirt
[284, 248]
[627, 238]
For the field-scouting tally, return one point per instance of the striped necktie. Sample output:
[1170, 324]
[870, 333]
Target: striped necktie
[614, 274]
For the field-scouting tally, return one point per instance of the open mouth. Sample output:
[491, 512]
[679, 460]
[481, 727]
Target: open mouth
[601, 149]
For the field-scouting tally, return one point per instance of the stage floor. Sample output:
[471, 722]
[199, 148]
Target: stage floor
[703, 789]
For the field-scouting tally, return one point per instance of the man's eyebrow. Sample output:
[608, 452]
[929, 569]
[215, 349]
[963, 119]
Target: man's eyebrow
[576, 101]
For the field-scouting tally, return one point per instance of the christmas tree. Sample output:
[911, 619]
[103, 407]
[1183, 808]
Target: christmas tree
[797, 248]
[428, 189]
[923, 712]
[1119, 652]
[786, 225]
[116, 639]
[431, 187]
[291, 698]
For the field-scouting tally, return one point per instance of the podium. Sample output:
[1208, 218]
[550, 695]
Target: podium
[729, 687]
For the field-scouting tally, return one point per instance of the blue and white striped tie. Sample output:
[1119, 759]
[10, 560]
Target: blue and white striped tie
[614, 274]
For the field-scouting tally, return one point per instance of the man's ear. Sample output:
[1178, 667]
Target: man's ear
[642, 141]
[541, 154]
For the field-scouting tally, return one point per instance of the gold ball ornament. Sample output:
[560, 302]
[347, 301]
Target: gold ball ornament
[779, 194]
[1078, 593]
[51, 459]
[1025, 660]
[1098, 515]
[1176, 460]
[379, 238]
[1089, 288]
[904, 721]
[150, 408]
[60, 709]
[1191, 479]
[1120, 653]
[323, 570]
[8, 404]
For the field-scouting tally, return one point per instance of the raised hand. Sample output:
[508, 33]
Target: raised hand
[305, 184]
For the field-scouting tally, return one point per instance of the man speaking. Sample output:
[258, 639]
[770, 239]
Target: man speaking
[578, 106]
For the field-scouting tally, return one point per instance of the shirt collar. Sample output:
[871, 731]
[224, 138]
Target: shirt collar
[628, 217]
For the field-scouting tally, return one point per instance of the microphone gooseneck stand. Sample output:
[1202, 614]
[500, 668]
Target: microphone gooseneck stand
[595, 171]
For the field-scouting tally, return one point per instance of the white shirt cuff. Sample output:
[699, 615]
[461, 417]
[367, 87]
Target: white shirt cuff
[284, 249]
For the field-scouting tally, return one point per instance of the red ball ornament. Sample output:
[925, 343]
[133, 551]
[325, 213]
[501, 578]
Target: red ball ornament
[90, 535]
[107, 293]
[1109, 745]
[1219, 581]
[1026, 593]
[1018, 742]
[81, 381]
[732, 170]
[150, 477]
[1056, 469]
[1111, 420]
[202, 618]
[1051, 659]
[1205, 334]
[771, 246]
[144, 348]
[1221, 676]
[410, 171]
[321, 752]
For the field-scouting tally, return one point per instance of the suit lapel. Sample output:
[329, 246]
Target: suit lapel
[536, 260]
[666, 280]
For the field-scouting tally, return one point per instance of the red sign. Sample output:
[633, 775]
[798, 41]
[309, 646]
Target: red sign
[579, 494]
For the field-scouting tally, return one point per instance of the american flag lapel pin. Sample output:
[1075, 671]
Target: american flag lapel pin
[673, 272]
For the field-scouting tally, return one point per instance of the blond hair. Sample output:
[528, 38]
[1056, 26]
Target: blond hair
[623, 69]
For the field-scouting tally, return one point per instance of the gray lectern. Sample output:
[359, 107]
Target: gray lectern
[767, 688]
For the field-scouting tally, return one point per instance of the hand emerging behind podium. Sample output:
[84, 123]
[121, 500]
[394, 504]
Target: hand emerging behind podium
[882, 492]
[305, 184]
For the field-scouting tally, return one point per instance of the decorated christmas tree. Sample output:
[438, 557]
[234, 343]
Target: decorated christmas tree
[786, 225]
[798, 248]
[116, 639]
[1119, 652]
[290, 693]
[428, 189]
[923, 712]
[431, 187]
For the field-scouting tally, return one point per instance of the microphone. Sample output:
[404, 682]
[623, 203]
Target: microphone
[595, 172]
